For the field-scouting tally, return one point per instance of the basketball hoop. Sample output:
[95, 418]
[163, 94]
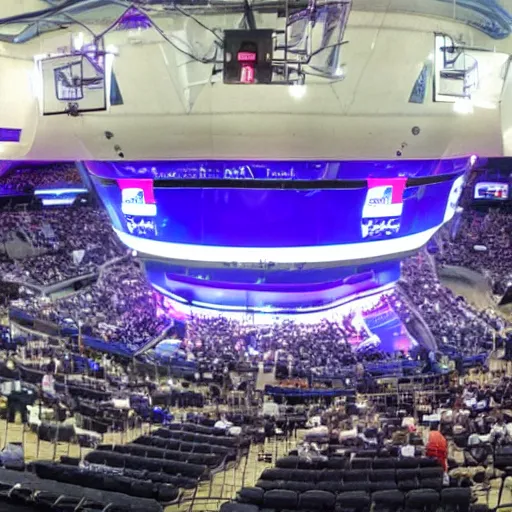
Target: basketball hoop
[73, 110]
[74, 83]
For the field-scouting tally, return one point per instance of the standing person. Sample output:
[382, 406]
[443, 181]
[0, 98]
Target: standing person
[437, 446]
[48, 384]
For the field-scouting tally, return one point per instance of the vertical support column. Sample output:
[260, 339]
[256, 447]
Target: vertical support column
[86, 179]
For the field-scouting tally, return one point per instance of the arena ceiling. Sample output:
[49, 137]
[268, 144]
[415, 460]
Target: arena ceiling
[22, 20]
[191, 114]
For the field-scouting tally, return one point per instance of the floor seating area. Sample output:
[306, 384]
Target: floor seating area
[180, 399]
[205, 436]
[147, 474]
[30, 489]
[228, 453]
[354, 484]
[104, 417]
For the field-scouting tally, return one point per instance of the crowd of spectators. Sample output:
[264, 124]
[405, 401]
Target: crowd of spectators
[453, 322]
[25, 179]
[483, 242]
[323, 349]
[120, 307]
[45, 247]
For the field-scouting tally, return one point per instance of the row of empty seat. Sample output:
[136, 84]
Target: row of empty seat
[426, 500]
[210, 460]
[241, 443]
[132, 485]
[185, 446]
[343, 462]
[321, 483]
[40, 494]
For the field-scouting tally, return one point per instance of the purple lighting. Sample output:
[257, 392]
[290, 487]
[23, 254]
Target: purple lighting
[10, 135]
[133, 19]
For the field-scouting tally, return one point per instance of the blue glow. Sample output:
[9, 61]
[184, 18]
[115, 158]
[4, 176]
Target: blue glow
[58, 191]
[280, 290]
[279, 255]
[273, 218]
[283, 170]
[275, 246]
[10, 135]
[270, 315]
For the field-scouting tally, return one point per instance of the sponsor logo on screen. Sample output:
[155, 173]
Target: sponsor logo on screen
[133, 195]
[381, 195]
[137, 197]
[384, 198]
[380, 228]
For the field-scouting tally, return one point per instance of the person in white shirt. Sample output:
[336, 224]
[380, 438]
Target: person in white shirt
[407, 450]
[48, 384]
[498, 432]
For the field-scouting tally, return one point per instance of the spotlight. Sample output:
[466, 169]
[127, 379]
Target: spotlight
[463, 106]
[77, 41]
[297, 91]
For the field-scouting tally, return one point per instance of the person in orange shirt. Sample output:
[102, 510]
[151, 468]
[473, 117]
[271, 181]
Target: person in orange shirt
[437, 446]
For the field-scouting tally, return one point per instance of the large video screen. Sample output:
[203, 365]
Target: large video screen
[252, 289]
[491, 191]
[276, 224]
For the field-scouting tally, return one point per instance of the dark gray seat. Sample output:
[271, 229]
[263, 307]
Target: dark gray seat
[317, 500]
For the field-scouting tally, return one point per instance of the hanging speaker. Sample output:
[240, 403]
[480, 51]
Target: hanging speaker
[248, 56]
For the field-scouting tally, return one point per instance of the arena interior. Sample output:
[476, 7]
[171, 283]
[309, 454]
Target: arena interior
[255, 255]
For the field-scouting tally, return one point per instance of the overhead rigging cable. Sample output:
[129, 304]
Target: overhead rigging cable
[43, 16]
[203, 60]
[200, 23]
[249, 16]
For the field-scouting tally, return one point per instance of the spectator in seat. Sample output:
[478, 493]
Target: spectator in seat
[498, 432]
[437, 446]
[408, 449]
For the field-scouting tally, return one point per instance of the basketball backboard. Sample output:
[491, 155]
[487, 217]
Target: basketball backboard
[73, 82]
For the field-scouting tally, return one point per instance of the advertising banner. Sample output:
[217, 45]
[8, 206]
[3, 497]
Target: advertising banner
[138, 197]
[383, 207]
